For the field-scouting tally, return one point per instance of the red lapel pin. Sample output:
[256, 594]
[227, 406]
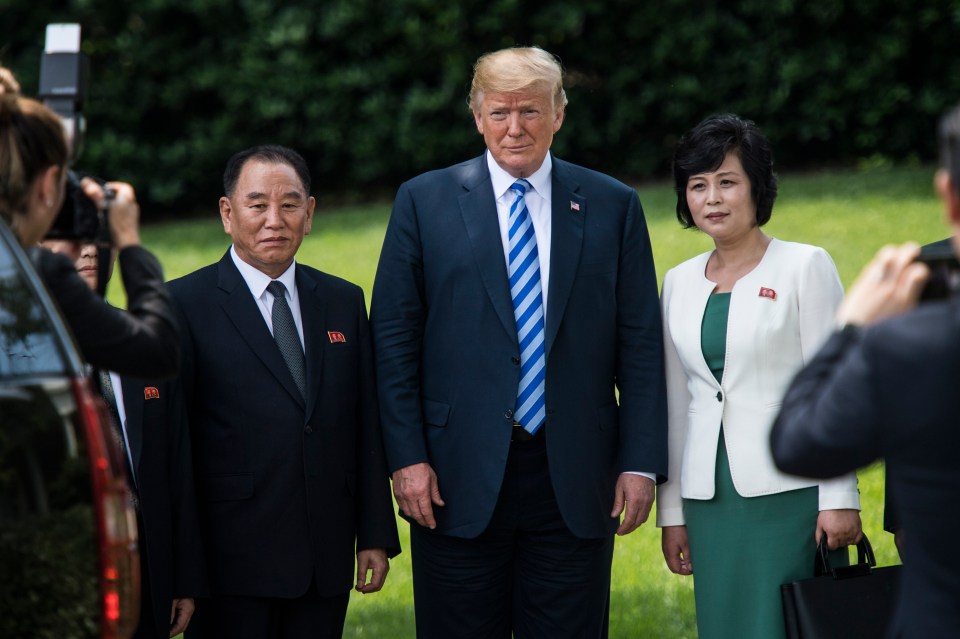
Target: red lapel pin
[151, 392]
[769, 293]
[336, 336]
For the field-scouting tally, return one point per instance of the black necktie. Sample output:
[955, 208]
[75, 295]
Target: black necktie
[285, 334]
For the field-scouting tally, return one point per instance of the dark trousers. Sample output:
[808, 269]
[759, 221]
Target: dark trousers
[526, 574]
[308, 617]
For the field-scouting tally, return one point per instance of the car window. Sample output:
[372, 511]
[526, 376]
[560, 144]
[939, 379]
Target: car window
[28, 342]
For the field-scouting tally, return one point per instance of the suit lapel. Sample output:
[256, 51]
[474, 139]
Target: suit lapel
[132, 392]
[243, 311]
[313, 314]
[568, 210]
[479, 211]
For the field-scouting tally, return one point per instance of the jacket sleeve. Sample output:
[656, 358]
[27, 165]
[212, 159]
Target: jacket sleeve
[820, 294]
[828, 424]
[640, 376]
[140, 342]
[669, 501]
[397, 317]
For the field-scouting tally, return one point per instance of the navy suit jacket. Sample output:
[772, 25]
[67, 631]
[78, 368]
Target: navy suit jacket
[288, 489]
[890, 391]
[448, 355]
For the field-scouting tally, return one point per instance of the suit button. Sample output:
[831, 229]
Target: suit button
[719, 396]
[308, 429]
[508, 414]
[515, 360]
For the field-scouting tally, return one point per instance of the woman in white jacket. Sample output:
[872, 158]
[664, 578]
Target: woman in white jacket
[739, 322]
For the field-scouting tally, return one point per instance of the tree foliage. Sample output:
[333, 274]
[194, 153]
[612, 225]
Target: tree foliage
[373, 91]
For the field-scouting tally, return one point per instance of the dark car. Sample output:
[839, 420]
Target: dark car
[68, 557]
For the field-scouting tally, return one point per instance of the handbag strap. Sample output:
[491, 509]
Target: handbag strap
[866, 560]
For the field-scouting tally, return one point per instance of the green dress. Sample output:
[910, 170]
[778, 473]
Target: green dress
[742, 549]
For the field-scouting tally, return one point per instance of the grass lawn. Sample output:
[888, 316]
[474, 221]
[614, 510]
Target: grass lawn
[850, 213]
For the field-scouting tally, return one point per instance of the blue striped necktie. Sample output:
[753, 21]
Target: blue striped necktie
[527, 294]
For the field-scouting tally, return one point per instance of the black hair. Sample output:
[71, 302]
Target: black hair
[269, 154]
[703, 149]
[949, 138]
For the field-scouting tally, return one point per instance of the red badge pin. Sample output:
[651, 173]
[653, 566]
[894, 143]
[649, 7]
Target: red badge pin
[151, 392]
[336, 336]
[769, 293]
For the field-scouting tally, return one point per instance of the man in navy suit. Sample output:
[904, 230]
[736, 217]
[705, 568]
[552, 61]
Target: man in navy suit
[885, 386]
[515, 297]
[277, 390]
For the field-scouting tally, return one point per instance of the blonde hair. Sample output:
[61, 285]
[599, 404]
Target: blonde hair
[517, 69]
[32, 139]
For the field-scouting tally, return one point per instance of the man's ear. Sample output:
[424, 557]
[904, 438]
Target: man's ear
[947, 190]
[226, 211]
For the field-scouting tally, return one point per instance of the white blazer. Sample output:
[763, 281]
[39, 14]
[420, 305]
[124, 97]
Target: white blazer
[781, 312]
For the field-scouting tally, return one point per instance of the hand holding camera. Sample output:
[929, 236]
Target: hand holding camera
[122, 213]
[889, 285]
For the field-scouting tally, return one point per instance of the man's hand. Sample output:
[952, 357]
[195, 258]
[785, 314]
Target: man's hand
[417, 491]
[676, 549]
[842, 527]
[633, 498]
[180, 612]
[889, 285]
[375, 562]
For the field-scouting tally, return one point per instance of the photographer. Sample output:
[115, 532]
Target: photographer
[884, 386]
[33, 172]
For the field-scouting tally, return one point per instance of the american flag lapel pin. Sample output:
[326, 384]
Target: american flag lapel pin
[768, 293]
[574, 206]
[336, 336]
[151, 392]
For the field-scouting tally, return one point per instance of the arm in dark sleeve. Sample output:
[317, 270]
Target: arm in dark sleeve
[376, 523]
[189, 569]
[830, 419]
[141, 342]
[641, 379]
[398, 316]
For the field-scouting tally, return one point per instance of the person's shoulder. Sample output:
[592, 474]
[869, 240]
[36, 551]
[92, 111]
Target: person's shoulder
[186, 284]
[330, 284]
[590, 178]
[455, 174]
[797, 257]
[798, 250]
[693, 267]
[932, 327]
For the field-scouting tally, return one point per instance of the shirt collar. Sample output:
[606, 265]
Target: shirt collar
[257, 281]
[502, 181]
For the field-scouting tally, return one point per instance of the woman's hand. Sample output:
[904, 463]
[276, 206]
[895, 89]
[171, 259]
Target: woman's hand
[676, 549]
[842, 527]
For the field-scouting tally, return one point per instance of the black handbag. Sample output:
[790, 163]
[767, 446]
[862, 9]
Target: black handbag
[845, 602]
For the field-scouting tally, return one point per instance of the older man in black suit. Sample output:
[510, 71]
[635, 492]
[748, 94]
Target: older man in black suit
[885, 386]
[277, 390]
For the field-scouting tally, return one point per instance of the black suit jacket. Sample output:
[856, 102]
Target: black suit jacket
[170, 532]
[141, 341]
[448, 354]
[890, 391]
[287, 489]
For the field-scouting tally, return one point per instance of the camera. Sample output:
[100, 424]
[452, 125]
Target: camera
[944, 268]
[64, 74]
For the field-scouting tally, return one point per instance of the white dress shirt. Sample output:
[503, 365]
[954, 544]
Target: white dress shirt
[538, 201]
[257, 281]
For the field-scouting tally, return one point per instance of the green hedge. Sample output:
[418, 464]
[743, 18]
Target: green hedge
[373, 91]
